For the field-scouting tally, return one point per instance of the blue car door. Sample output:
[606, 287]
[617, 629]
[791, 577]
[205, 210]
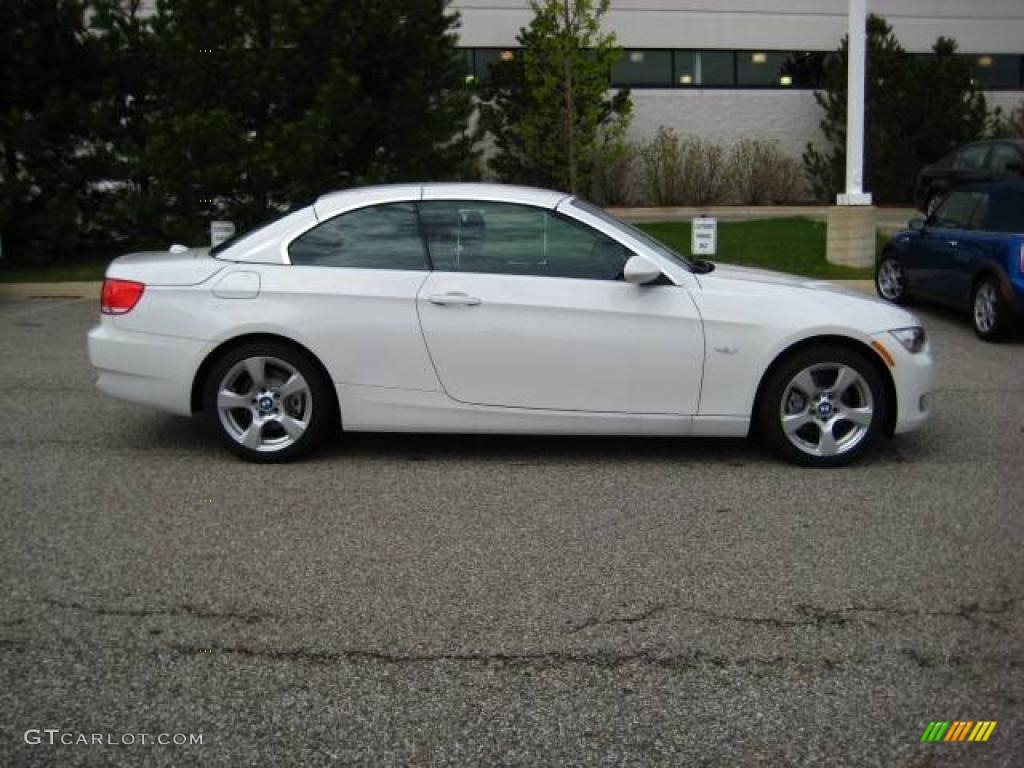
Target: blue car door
[933, 262]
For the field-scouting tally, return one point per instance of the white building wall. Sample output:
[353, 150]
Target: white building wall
[789, 117]
[979, 26]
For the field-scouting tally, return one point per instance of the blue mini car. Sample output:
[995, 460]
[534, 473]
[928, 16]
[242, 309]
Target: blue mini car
[968, 255]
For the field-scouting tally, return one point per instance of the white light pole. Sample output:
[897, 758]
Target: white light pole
[857, 54]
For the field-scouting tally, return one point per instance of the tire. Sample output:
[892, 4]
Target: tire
[932, 203]
[989, 311]
[269, 402]
[890, 280]
[801, 404]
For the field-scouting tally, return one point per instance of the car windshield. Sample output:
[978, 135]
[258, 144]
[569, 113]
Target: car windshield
[634, 232]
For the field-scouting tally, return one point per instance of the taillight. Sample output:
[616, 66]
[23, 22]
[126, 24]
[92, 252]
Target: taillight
[120, 296]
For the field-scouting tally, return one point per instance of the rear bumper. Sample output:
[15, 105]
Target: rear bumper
[145, 368]
[914, 379]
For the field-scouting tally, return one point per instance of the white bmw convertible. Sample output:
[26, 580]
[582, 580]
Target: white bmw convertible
[488, 308]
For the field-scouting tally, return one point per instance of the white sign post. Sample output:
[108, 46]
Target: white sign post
[221, 231]
[704, 236]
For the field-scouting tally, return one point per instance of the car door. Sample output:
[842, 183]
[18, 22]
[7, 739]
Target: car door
[526, 308]
[351, 290]
[930, 261]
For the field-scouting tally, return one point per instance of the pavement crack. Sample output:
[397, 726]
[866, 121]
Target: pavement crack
[182, 609]
[644, 615]
[678, 662]
[813, 616]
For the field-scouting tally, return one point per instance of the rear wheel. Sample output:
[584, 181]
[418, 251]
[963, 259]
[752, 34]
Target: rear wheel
[268, 402]
[989, 310]
[890, 282]
[823, 406]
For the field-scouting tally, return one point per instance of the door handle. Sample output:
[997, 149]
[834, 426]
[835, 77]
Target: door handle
[952, 243]
[453, 299]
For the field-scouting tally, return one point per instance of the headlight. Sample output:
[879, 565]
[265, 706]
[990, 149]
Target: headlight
[912, 339]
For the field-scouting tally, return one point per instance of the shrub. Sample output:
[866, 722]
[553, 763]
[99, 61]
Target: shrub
[613, 180]
[760, 173]
[683, 171]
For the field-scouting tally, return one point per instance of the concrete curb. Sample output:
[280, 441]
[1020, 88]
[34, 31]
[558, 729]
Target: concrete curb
[79, 290]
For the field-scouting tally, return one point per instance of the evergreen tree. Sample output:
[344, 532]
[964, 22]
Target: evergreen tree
[918, 109]
[549, 111]
[265, 104]
[49, 79]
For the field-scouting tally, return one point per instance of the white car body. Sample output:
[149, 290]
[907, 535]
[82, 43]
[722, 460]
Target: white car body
[535, 355]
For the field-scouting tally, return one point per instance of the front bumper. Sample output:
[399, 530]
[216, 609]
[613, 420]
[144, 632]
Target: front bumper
[914, 379]
[145, 368]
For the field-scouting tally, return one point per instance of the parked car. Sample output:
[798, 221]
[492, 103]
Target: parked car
[489, 308]
[968, 255]
[993, 160]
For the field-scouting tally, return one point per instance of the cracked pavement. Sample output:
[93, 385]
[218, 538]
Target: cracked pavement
[447, 600]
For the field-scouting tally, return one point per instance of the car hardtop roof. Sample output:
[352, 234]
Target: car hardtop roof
[510, 193]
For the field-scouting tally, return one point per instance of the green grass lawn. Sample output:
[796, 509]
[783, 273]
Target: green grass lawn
[785, 245]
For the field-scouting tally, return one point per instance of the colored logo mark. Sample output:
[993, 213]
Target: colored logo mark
[958, 730]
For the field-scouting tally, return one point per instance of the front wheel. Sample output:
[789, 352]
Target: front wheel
[890, 281]
[989, 310]
[268, 402]
[823, 406]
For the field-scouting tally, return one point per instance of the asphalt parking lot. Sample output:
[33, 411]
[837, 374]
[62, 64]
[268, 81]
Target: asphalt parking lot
[436, 600]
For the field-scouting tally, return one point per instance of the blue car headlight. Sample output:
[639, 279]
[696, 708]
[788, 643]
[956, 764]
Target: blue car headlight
[912, 339]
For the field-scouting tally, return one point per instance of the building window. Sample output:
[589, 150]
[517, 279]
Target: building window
[644, 68]
[683, 68]
[996, 72]
[761, 69]
[717, 69]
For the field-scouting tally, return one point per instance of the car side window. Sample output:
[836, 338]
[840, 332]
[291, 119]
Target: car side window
[1006, 212]
[972, 158]
[1005, 158]
[509, 239]
[956, 211]
[378, 237]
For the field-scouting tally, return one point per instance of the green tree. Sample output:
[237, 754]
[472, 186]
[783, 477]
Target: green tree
[267, 103]
[549, 111]
[48, 81]
[918, 108]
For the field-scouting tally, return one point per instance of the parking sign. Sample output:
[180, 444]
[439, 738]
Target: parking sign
[704, 240]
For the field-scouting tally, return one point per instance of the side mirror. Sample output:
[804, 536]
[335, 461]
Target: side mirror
[640, 270]
[916, 224]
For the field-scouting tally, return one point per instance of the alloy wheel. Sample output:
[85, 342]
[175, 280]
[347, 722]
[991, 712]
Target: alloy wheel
[890, 280]
[985, 308]
[827, 409]
[264, 403]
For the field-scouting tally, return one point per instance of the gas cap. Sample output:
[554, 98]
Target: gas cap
[238, 285]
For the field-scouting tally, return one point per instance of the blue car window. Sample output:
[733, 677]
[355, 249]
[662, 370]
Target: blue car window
[1006, 212]
[956, 212]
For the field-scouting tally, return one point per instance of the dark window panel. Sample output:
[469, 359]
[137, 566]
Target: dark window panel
[685, 74]
[717, 68]
[762, 69]
[996, 71]
[651, 68]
